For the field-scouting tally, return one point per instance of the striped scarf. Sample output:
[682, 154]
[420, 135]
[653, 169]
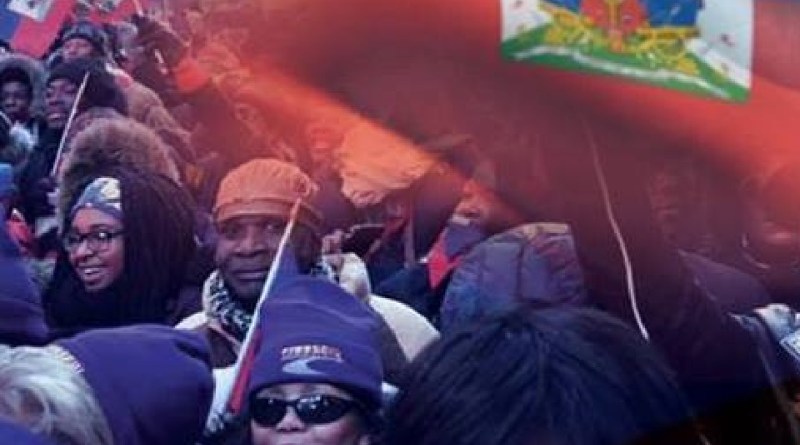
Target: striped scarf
[229, 312]
[224, 309]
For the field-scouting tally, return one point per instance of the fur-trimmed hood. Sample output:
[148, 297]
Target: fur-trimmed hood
[36, 73]
[107, 144]
[146, 107]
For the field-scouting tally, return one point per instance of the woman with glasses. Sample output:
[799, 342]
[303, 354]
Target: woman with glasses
[316, 378]
[94, 239]
[127, 241]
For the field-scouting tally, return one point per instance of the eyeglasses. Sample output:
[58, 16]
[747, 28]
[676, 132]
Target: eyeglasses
[313, 409]
[96, 241]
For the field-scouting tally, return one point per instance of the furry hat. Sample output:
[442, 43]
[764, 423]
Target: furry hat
[87, 118]
[30, 71]
[106, 144]
[146, 107]
[90, 32]
[101, 90]
[16, 141]
[154, 383]
[142, 102]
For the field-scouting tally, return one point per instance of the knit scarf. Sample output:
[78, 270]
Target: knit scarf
[229, 312]
[224, 309]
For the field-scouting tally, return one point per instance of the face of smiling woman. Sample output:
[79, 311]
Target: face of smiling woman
[96, 248]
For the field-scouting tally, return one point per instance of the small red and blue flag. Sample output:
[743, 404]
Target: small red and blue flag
[31, 26]
[107, 11]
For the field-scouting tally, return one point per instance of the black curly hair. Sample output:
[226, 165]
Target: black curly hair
[540, 376]
[159, 222]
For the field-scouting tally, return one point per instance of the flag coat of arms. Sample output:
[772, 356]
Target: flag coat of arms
[698, 46]
[37, 10]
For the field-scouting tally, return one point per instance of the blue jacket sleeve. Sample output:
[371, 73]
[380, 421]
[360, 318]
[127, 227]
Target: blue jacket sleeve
[21, 314]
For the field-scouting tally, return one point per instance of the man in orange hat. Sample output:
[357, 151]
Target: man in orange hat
[251, 212]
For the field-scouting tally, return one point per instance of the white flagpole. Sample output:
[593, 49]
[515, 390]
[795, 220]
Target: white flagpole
[46, 223]
[232, 392]
[72, 113]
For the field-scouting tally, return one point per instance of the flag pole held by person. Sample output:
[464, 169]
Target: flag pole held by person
[45, 224]
[234, 394]
[72, 113]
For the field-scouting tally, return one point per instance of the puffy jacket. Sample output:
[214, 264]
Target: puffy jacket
[533, 262]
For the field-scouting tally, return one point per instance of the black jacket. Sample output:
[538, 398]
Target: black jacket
[714, 356]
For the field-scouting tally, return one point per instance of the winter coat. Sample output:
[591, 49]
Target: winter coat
[735, 291]
[223, 133]
[716, 360]
[21, 318]
[23, 136]
[422, 285]
[531, 263]
[36, 74]
[146, 107]
[410, 331]
[70, 309]
[34, 202]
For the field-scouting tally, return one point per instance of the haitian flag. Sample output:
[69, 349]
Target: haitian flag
[700, 46]
[31, 26]
[106, 11]
[397, 73]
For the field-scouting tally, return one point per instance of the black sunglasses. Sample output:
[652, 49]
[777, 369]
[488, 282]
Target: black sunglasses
[314, 409]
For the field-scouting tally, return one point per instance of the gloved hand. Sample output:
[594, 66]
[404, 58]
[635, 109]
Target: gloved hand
[155, 37]
[40, 198]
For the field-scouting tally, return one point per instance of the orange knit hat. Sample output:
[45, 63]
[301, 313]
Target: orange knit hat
[267, 187]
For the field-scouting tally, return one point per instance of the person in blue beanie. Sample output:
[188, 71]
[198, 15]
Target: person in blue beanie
[140, 385]
[316, 377]
[10, 433]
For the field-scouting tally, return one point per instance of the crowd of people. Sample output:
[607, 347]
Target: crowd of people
[171, 275]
